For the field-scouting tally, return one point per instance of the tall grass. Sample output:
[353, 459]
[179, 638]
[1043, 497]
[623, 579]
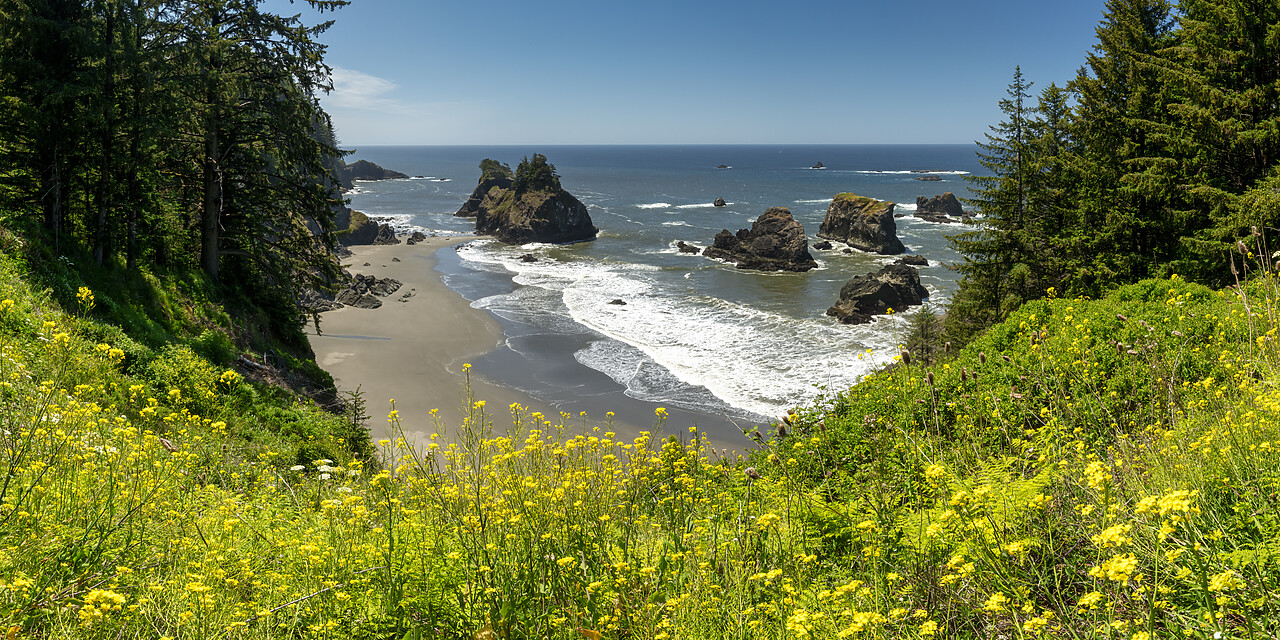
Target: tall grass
[1089, 469]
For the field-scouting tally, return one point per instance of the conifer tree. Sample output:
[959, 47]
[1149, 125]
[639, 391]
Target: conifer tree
[1223, 145]
[1125, 225]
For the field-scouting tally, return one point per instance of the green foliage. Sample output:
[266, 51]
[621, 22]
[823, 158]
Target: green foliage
[536, 174]
[492, 169]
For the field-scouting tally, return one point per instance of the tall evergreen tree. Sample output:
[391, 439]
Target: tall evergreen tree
[1223, 144]
[1125, 226]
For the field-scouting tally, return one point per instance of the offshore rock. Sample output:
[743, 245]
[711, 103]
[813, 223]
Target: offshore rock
[493, 175]
[545, 215]
[685, 247]
[365, 170]
[775, 242]
[944, 208]
[862, 223]
[719, 202]
[825, 245]
[915, 261]
[895, 286]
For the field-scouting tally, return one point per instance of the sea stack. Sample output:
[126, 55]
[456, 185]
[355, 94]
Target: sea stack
[896, 286]
[862, 223]
[493, 175]
[535, 208]
[944, 208]
[775, 242]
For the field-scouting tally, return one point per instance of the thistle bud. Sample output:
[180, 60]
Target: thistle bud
[1121, 317]
[782, 431]
[906, 357]
[930, 378]
[982, 357]
[752, 473]
[946, 347]
[964, 374]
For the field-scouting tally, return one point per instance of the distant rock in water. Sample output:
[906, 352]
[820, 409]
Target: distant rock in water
[862, 223]
[825, 245]
[365, 170]
[775, 242]
[685, 247]
[944, 208]
[896, 286]
[930, 178]
[915, 261]
[493, 175]
[719, 202]
[818, 166]
[724, 166]
[535, 208]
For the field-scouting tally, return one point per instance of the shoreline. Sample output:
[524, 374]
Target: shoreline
[414, 351]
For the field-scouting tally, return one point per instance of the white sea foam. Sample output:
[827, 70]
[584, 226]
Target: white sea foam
[672, 344]
[905, 206]
[909, 172]
[655, 205]
[676, 223]
[822, 201]
[700, 205]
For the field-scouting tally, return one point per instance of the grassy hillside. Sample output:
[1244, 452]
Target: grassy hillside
[1087, 469]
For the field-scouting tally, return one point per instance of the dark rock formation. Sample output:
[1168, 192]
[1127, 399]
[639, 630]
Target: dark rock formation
[366, 231]
[818, 166]
[915, 261]
[895, 286]
[534, 209]
[944, 208]
[685, 247]
[719, 202]
[493, 175]
[723, 166]
[416, 237]
[930, 178]
[862, 223]
[528, 257]
[618, 301]
[360, 291]
[825, 245]
[775, 242]
[365, 170]
[534, 216]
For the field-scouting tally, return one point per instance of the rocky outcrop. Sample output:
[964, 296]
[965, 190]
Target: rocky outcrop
[914, 261]
[365, 170]
[365, 230]
[896, 287]
[685, 247]
[930, 178]
[862, 223]
[536, 216]
[534, 209]
[775, 242]
[825, 245]
[719, 202]
[360, 291]
[415, 238]
[944, 208]
[493, 175]
[818, 166]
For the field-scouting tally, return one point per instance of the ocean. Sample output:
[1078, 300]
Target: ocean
[726, 344]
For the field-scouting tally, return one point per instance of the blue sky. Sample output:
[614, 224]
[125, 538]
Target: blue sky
[689, 72]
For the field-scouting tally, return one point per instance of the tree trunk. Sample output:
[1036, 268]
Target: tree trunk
[108, 138]
[212, 202]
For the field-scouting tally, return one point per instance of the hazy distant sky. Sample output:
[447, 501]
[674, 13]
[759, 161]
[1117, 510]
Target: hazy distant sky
[689, 71]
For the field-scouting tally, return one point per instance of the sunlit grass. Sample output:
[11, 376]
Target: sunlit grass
[1089, 469]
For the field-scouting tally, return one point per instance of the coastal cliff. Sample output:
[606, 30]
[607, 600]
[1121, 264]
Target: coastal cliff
[862, 223]
[365, 170]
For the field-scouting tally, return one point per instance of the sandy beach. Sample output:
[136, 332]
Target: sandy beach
[412, 351]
